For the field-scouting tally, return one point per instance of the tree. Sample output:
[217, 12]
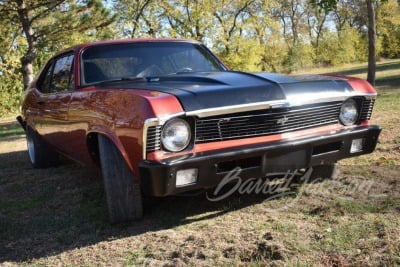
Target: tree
[188, 19]
[292, 16]
[48, 21]
[267, 31]
[230, 18]
[132, 16]
[357, 19]
[371, 42]
[10, 73]
[317, 18]
[388, 29]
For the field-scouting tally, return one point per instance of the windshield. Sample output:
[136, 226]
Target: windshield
[146, 59]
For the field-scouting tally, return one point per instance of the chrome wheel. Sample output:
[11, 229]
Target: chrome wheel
[40, 154]
[31, 148]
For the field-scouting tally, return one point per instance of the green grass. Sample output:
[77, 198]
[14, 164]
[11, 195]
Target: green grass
[58, 216]
[10, 129]
[387, 72]
[9, 206]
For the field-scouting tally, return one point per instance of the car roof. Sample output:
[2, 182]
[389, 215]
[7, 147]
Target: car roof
[80, 47]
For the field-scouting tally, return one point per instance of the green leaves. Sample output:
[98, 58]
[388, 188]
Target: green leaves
[33, 30]
[328, 5]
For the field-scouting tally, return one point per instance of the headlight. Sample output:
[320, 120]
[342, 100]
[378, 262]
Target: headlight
[175, 135]
[348, 112]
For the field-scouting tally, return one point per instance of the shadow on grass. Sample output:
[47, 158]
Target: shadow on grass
[361, 70]
[391, 81]
[10, 129]
[46, 212]
[50, 211]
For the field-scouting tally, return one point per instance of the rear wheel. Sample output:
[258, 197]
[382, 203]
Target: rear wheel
[123, 194]
[40, 154]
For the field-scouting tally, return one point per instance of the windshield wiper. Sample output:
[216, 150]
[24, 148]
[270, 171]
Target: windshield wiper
[123, 79]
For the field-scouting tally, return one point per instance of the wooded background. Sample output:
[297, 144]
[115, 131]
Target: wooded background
[250, 35]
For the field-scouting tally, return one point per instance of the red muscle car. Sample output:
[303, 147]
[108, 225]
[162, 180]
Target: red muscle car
[163, 117]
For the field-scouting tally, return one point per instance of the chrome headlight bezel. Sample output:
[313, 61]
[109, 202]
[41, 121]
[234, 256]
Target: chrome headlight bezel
[349, 112]
[176, 135]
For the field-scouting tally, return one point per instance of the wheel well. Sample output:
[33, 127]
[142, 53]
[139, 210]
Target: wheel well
[92, 143]
[22, 122]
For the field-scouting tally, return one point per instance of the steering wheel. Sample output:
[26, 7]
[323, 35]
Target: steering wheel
[150, 71]
[184, 69]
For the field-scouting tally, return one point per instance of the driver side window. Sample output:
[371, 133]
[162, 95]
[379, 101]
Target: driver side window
[45, 84]
[59, 76]
[62, 78]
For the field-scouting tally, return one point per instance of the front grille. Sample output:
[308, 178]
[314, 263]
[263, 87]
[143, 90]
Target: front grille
[266, 122]
[262, 122]
[366, 109]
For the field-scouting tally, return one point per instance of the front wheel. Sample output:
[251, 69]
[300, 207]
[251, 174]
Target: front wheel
[122, 189]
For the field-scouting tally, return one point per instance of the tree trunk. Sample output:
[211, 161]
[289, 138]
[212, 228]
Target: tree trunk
[31, 54]
[371, 43]
[27, 68]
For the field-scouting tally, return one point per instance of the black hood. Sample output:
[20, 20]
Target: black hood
[197, 91]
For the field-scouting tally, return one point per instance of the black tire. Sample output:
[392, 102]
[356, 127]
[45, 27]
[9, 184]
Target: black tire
[324, 171]
[40, 154]
[123, 194]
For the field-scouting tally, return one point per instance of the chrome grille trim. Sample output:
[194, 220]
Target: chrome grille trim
[265, 122]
